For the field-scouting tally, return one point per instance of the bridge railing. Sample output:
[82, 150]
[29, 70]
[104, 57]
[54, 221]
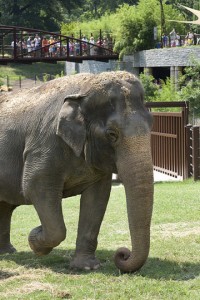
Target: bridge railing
[19, 42]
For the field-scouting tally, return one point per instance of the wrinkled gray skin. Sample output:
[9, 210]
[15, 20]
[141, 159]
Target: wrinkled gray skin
[65, 138]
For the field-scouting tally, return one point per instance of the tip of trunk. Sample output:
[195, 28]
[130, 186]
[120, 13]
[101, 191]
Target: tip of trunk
[126, 262]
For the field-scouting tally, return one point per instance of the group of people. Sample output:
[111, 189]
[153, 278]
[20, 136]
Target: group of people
[90, 46]
[51, 46]
[31, 45]
[174, 39]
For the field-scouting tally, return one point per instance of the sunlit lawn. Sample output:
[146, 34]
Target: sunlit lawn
[171, 272]
[30, 70]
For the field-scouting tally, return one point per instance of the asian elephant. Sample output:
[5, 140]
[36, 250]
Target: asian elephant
[67, 137]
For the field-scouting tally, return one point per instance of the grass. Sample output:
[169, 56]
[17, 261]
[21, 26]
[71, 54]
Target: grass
[171, 272]
[30, 71]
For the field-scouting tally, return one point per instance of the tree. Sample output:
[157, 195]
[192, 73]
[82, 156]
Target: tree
[190, 87]
[137, 25]
[151, 89]
[36, 13]
[136, 30]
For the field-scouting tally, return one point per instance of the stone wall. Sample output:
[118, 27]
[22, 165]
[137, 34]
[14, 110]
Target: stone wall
[166, 57]
[93, 66]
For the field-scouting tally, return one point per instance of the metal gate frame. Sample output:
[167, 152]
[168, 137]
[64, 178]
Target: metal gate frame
[168, 139]
[193, 142]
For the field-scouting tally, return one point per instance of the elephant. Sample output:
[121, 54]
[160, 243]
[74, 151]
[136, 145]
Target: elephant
[65, 138]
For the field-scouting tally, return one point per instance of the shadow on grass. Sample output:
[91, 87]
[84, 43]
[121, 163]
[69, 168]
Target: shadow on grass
[58, 261]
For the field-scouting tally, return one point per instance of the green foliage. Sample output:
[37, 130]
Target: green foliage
[167, 91]
[107, 23]
[151, 89]
[95, 9]
[136, 28]
[161, 91]
[35, 13]
[190, 87]
[131, 26]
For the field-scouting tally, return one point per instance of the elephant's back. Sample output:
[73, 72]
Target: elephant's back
[44, 95]
[53, 93]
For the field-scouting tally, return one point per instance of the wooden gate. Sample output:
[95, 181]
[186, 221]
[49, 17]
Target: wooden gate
[168, 138]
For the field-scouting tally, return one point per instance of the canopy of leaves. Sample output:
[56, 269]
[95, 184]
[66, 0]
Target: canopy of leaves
[35, 13]
[131, 26]
[190, 87]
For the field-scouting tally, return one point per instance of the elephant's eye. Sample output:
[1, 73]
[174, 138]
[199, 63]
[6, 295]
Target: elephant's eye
[112, 135]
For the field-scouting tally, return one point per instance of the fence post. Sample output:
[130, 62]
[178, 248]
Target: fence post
[8, 81]
[20, 82]
[188, 151]
[15, 43]
[195, 148]
[81, 52]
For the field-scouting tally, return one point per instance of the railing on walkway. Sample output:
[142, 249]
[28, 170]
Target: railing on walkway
[168, 139]
[179, 41]
[15, 48]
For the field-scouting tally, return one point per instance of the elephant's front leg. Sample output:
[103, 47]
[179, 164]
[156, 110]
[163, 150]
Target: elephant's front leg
[92, 209]
[52, 231]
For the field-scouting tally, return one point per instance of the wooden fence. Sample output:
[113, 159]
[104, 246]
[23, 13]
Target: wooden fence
[175, 143]
[168, 138]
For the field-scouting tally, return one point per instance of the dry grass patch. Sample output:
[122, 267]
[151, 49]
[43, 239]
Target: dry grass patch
[181, 229]
[28, 283]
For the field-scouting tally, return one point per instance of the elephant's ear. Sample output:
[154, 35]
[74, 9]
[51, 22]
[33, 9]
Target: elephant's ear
[71, 125]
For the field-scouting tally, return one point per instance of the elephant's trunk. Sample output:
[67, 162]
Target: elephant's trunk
[136, 172]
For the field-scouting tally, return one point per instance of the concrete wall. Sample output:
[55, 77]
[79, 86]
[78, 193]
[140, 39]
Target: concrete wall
[167, 57]
[93, 66]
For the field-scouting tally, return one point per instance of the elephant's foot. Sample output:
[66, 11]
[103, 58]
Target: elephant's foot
[36, 242]
[85, 262]
[7, 249]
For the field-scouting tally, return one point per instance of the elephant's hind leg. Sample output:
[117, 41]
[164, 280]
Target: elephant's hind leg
[6, 211]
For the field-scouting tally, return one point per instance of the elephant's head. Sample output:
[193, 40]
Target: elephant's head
[108, 124]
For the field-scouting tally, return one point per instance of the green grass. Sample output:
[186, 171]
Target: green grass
[29, 71]
[171, 272]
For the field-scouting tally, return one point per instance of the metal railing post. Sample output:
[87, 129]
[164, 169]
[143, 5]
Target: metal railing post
[15, 43]
[188, 151]
[7, 81]
[195, 156]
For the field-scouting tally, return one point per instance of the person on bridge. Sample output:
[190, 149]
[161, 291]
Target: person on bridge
[84, 45]
[92, 45]
[45, 47]
[37, 41]
[28, 43]
[52, 47]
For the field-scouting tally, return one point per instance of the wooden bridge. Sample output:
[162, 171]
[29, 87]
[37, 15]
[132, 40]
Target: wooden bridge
[26, 45]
